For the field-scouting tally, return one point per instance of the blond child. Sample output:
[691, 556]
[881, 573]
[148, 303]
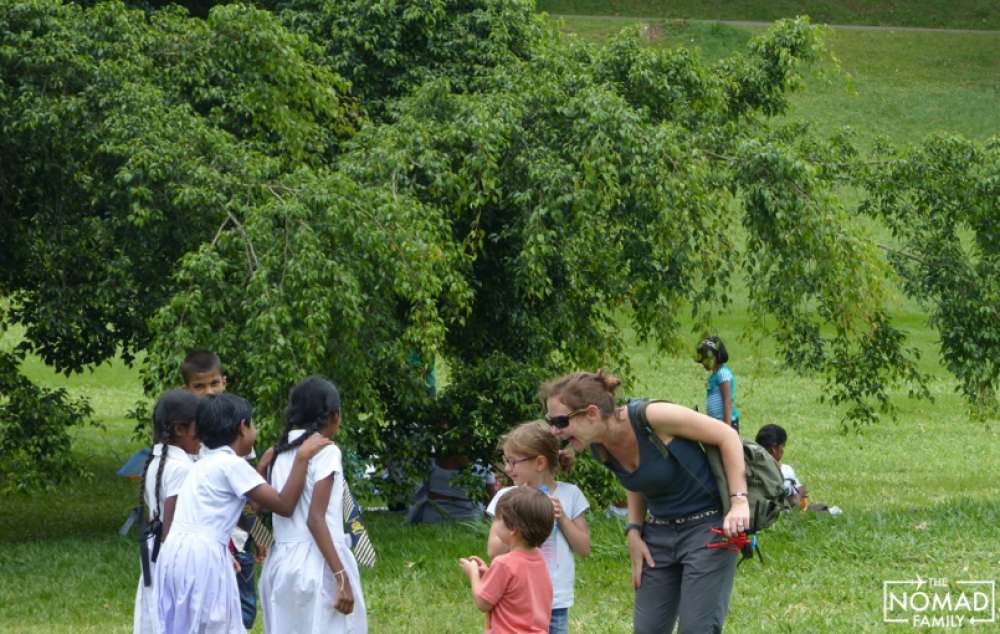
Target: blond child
[531, 458]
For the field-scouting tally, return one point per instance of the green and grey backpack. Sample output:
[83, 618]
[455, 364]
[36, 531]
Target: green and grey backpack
[765, 485]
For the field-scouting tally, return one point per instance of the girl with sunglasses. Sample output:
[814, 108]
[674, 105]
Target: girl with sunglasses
[531, 457]
[673, 499]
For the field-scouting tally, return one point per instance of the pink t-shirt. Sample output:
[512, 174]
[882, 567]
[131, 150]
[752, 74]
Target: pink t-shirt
[518, 586]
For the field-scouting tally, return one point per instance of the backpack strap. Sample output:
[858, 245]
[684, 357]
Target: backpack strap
[639, 410]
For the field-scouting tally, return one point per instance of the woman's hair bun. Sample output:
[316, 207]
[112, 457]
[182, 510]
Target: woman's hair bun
[609, 381]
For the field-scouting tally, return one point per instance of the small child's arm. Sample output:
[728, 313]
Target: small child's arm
[727, 402]
[475, 568]
[576, 531]
[344, 600]
[283, 503]
[168, 516]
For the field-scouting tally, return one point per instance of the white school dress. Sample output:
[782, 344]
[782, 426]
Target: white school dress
[175, 470]
[196, 587]
[556, 550]
[297, 587]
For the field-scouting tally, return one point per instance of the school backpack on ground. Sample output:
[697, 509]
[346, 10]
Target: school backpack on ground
[765, 484]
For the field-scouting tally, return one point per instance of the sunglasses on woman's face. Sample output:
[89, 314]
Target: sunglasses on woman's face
[562, 421]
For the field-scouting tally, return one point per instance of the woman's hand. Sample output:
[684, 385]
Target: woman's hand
[344, 602]
[738, 518]
[638, 553]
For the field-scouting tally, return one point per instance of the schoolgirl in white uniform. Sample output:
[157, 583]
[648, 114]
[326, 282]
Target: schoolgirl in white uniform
[310, 582]
[196, 588]
[174, 435]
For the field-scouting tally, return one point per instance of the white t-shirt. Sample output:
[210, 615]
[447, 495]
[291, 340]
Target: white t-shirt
[558, 555]
[238, 536]
[791, 483]
[213, 495]
[175, 471]
[328, 461]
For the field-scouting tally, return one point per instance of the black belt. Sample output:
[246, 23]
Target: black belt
[683, 520]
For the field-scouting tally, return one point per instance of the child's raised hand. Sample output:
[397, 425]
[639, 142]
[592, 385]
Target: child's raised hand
[313, 445]
[473, 566]
[557, 509]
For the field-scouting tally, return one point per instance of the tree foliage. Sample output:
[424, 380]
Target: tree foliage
[126, 140]
[941, 201]
[345, 187]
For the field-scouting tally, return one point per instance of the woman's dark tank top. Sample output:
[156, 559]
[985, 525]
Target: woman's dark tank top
[669, 490]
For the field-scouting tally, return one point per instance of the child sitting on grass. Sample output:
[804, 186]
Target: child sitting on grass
[515, 590]
[773, 438]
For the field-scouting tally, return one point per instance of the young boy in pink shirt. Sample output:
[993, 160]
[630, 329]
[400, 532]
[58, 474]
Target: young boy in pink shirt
[515, 591]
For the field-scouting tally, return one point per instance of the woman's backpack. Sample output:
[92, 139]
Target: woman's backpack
[765, 489]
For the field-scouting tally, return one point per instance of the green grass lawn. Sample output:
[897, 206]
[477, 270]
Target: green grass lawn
[950, 14]
[917, 494]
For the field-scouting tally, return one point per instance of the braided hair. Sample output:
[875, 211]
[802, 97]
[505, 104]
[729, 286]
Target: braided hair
[173, 408]
[310, 404]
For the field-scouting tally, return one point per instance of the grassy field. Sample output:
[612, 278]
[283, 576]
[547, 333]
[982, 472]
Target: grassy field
[917, 493]
[917, 498]
[902, 85]
[952, 14]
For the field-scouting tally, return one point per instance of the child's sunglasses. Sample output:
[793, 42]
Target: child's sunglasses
[562, 421]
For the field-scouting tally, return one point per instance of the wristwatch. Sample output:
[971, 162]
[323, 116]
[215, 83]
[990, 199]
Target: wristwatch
[632, 526]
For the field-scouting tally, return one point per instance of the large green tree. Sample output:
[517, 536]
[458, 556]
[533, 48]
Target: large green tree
[361, 189]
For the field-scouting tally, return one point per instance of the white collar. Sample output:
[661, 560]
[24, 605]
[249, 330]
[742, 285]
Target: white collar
[223, 449]
[173, 451]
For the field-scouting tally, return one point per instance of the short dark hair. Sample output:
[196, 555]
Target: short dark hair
[713, 345]
[771, 435]
[219, 419]
[199, 362]
[529, 512]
